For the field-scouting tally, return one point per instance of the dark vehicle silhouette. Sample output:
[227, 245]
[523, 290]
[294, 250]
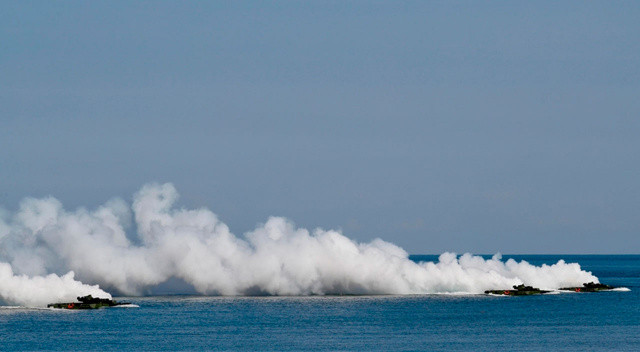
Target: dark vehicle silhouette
[87, 302]
[589, 287]
[518, 290]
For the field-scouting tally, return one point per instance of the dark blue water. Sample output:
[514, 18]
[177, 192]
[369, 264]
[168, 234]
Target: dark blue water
[571, 321]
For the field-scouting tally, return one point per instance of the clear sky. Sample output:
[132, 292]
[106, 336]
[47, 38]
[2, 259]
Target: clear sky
[461, 126]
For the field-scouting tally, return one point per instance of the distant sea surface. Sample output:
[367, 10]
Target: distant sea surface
[568, 321]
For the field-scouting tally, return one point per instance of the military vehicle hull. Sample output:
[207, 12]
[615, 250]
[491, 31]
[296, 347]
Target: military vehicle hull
[80, 305]
[515, 292]
[519, 290]
[87, 302]
[588, 287]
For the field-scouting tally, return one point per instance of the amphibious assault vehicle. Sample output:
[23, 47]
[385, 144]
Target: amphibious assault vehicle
[87, 302]
[588, 287]
[518, 290]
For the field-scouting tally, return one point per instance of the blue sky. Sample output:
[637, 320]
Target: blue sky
[460, 126]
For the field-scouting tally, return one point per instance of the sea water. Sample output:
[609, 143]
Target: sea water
[566, 321]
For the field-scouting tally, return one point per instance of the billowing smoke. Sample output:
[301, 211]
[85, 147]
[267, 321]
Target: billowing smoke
[40, 290]
[277, 258]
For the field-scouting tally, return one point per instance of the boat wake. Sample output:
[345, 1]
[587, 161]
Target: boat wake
[621, 289]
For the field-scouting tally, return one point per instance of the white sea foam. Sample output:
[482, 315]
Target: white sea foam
[130, 305]
[621, 289]
[277, 258]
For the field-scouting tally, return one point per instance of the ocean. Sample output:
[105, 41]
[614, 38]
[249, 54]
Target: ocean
[567, 321]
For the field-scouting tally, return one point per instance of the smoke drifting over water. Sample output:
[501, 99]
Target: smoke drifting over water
[39, 290]
[42, 247]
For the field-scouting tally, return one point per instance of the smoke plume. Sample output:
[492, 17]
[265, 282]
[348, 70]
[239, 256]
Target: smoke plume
[42, 245]
[39, 290]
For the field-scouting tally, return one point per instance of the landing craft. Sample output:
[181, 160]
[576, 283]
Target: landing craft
[87, 302]
[588, 287]
[519, 290]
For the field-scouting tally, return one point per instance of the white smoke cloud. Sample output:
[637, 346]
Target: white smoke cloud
[195, 246]
[40, 290]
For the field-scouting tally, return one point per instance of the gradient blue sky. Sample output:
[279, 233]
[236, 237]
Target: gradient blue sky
[460, 126]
